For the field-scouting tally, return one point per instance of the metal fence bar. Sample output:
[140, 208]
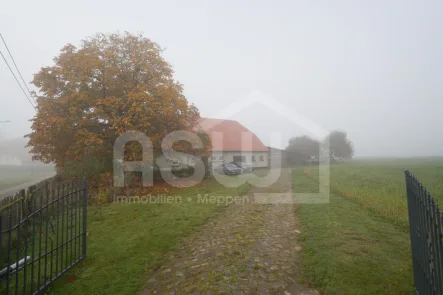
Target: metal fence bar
[422, 237]
[47, 232]
[425, 220]
[428, 243]
[67, 227]
[79, 237]
[440, 246]
[436, 239]
[34, 202]
[412, 214]
[57, 228]
[39, 232]
[85, 206]
[40, 242]
[63, 229]
[26, 239]
[75, 221]
[9, 231]
[17, 252]
[52, 229]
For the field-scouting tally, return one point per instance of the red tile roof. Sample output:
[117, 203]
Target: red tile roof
[228, 135]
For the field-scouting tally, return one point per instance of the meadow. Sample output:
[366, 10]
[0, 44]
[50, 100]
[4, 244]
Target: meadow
[379, 185]
[12, 175]
[359, 242]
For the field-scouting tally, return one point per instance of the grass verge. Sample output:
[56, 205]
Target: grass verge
[380, 185]
[127, 242]
[350, 250]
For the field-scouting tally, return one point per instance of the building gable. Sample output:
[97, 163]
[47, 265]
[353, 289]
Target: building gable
[235, 136]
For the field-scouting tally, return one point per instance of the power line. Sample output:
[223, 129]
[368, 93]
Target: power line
[24, 92]
[7, 48]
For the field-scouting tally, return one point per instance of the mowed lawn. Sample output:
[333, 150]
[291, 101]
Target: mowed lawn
[350, 250]
[128, 242]
[359, 243]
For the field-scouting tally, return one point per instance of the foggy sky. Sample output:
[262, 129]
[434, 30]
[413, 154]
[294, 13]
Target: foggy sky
[370, 68]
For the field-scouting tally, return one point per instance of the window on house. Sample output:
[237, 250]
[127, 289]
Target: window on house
[238, 159]
[262, 158]
[220, 158]
[253, 158]
[213, 158]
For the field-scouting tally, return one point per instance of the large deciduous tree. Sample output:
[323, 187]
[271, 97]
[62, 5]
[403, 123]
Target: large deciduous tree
[302, 148]
[339, 145]
[110, 84]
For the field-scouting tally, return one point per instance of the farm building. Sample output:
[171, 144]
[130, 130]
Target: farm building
[233, 142]
[277, 157]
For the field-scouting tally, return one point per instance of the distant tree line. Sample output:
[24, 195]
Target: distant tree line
[305, 150]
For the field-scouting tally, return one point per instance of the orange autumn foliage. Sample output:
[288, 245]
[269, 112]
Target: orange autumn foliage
[93, 93]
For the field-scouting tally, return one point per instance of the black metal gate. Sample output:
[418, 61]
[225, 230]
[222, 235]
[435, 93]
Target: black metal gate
[425, 222]
[42, 235]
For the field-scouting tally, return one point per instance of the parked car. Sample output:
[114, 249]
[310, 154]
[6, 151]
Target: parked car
[245, 167]
[228, 169]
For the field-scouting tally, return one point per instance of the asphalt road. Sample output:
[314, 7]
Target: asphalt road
[14, 189]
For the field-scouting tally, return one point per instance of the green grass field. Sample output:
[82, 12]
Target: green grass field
[379, 185]
[359, 242]
[356, 244]
[127, 242]
[14, 175]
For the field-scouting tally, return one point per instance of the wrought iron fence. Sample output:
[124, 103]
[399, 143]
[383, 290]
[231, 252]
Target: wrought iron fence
[426, 232]
[42, 235]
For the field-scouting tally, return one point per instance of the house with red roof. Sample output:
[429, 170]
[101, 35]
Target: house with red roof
[233, 142]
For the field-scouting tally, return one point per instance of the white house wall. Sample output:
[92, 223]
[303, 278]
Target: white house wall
[227, 157]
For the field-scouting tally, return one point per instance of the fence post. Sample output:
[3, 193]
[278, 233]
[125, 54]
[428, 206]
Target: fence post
[29, 197]
[23, 204]
[412, 205]
[85, 205]
[1, 242]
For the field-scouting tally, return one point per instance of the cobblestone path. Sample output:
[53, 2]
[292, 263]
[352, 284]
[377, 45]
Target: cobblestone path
[248, 249]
